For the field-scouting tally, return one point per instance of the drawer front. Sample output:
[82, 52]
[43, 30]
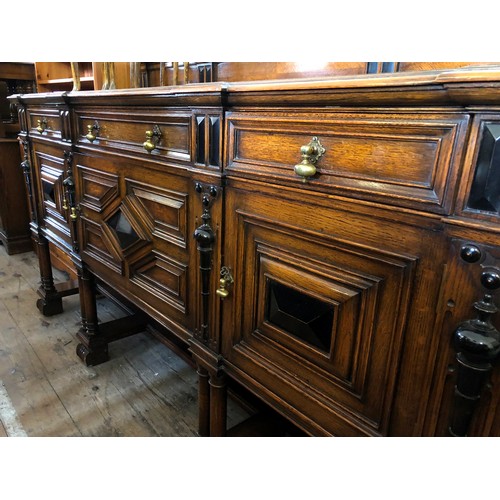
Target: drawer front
[409, 160]
[49, 123]
[125, 131]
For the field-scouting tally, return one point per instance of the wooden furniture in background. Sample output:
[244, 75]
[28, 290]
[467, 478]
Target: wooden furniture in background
[325, 243]
[14, 217]
[14, 221]
[171, 73]
[56, 76]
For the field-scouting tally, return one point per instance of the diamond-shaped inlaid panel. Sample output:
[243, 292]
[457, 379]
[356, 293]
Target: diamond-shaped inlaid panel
[123, 230]
[126, 232]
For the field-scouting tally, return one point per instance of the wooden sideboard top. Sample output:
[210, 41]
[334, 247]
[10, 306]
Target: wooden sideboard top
[465, 86]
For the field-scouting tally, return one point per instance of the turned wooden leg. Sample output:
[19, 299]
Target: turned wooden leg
[203, 402]
[50, 302]
[218, 405]
[92, 349]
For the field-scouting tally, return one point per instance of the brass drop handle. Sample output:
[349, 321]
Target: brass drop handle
[91, 136]
[310, 155]
[225, 280]
[152, 139]
[41, 125]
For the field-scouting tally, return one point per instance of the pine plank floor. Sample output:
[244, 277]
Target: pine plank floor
[45, 390]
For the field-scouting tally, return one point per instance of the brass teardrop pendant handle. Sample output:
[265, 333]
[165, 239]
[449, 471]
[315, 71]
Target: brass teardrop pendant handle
[41, 125]
[225, 280]
[310, 155]
[91, 135]
[152, 139]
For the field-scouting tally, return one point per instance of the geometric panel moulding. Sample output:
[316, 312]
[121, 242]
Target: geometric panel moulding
[301, 315]
[124, 231]
[48, 191]
[485, 190]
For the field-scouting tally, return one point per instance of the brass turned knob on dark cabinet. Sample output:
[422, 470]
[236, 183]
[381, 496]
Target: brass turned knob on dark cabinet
[93, 131]
[152, 138]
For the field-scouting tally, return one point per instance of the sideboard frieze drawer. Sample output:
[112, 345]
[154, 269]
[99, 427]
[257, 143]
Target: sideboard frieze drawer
[48, 123]
[409, 160]
[154, 134]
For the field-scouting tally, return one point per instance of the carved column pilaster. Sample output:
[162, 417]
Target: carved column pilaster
[205, 238]
[477, 344]
[70, 200]
[26, 169]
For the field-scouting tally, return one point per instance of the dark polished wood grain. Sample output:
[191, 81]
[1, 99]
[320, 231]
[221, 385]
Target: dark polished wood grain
[333, 297]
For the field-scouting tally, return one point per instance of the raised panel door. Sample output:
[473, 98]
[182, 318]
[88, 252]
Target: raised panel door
[324, 303]
[136, 235]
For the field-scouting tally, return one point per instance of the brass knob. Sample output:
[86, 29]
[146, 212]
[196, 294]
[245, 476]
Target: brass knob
[91, 136]
[65, 203]
[222, 292]
[152, 139]
[149, 145]
[225, 280]
[310, 154]
[41, 125]
[73, 215]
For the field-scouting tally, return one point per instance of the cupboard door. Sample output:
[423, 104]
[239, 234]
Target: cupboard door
[319, 307]
[51, 171]
[135, 235]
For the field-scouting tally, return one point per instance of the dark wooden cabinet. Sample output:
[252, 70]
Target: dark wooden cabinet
[14, 221]
[14, 216]
[331, 245]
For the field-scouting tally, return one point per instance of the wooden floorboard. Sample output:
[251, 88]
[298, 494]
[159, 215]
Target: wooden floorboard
[143, 390]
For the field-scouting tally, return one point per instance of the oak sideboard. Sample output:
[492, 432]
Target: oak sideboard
[330, 244]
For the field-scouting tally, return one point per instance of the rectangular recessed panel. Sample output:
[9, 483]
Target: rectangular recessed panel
[48, 191]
